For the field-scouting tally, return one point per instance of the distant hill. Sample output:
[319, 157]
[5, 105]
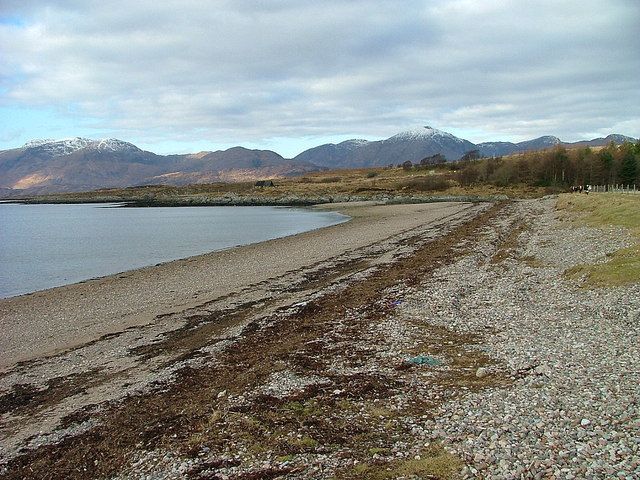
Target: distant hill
[80, 164]
[76, 164]
[497, 149]
[418, 143]
[601, 142]
[412, 145]
[333, 156]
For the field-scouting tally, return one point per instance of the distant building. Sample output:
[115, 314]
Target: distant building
[264, 183]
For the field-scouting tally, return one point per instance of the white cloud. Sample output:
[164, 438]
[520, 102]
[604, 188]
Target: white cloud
[246, 71]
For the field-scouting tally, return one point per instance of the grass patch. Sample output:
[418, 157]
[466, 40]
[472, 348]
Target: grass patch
[304, 444]
[604, 209]
[424, 183]
[378, 451]
[600, 211]
[302, 410]
[330, 180]
[381, 411]
[532, 261]
[622, 268]
[433, 462]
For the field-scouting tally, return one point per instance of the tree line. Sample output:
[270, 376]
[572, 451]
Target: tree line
[558, 167]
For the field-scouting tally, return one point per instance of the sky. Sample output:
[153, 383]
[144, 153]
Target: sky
[182, 76]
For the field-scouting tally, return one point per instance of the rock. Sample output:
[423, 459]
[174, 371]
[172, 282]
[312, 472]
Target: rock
[542, 370]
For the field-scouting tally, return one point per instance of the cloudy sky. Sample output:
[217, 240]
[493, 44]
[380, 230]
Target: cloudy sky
[187, 75]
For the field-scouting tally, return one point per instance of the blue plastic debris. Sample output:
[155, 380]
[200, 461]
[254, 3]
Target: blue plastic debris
[424, 360]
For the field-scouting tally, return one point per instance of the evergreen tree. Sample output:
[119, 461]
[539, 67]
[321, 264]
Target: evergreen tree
[606, 165]
[629, 168]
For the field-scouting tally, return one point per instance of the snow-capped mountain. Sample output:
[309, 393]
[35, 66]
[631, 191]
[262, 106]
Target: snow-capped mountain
[68, 146]
[413, 145]
[420, 142]
[76, 164]
[547, 141]
[422, 133]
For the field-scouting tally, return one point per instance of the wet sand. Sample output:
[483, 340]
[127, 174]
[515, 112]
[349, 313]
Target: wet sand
[58, 319]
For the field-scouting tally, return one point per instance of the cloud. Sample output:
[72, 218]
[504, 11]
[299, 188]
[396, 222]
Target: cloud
[246, 71]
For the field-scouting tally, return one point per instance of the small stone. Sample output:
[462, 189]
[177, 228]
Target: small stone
[541, 370]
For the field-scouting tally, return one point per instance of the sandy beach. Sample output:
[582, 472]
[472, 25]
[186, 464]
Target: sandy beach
[51, 321]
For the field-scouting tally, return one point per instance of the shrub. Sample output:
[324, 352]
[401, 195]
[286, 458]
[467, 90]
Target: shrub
[426, 183]
[330, 180]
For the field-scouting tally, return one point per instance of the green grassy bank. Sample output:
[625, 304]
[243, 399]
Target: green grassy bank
[604, 210]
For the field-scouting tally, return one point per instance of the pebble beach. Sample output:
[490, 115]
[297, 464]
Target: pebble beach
[416, 341]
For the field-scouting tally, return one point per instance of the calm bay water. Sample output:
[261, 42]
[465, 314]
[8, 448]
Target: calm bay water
[43, 246]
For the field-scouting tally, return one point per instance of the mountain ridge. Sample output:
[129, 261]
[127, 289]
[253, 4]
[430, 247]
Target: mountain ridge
[420, 142]
[78, 163]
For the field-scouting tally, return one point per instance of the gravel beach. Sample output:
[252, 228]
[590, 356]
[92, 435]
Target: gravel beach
[415, 341]
[572, 353]
[54, 320]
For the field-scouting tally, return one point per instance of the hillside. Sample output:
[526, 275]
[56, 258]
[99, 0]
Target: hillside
[81, 164]
[412, 145]
[497, 149]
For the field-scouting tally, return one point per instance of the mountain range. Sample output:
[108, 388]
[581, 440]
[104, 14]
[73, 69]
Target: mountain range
[78, 164]
[418, 143]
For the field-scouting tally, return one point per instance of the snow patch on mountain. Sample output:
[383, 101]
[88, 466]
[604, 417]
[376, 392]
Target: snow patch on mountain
[68, 146]
[38, 142]
[59, 147]
[115, 145]
[353, 143]
[617, 138]
[494, 144]
[544, 140]
[423, 133]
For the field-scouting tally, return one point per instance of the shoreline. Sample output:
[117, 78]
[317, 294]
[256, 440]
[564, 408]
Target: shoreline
[157, 262]
[455, 349]
[68, 316]
[283, 200]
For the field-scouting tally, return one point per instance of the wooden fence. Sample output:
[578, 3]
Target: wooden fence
[616, 188]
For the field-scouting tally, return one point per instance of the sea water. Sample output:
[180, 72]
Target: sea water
[44, 246]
